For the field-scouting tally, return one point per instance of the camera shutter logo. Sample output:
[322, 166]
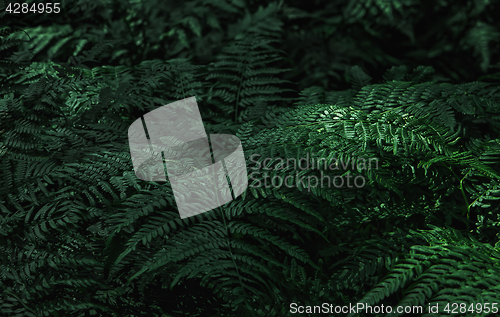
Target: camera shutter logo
[173, 137]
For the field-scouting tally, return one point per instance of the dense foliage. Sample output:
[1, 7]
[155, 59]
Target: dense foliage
[400, 97]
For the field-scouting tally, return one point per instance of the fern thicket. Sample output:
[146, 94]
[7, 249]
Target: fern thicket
[414, 222]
